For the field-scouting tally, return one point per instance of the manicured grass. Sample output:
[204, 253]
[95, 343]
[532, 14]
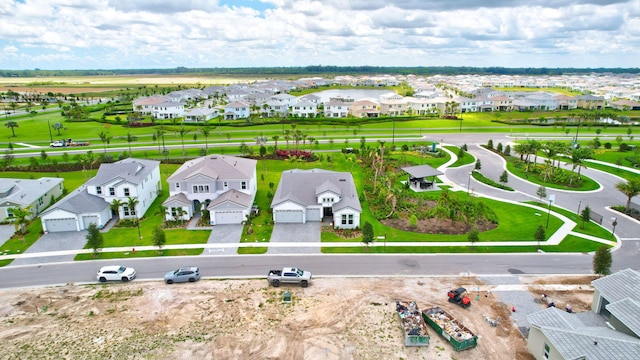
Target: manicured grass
[574, 244]
[464, 160]
[615, 170]
[587, 183]
[139, 254]
[17, 244]
[589, 228]
[485, 180]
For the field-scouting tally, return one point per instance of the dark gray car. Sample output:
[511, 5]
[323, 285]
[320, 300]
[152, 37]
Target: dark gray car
[183, 274]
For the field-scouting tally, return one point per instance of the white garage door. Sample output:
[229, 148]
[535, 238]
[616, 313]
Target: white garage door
[229, 217]
[88, 220]
[57, 225]
[289, 216]
[314, 215]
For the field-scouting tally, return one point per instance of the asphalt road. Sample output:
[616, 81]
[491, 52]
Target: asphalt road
[251, 266]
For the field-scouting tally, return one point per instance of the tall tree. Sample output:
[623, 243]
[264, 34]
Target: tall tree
[130, 139]
[183, 131]
[367, 233]
[602, 261]
[159, 238]
[94, 238]
[57, 126]
[12, 125]
[542, 192]
[205, 131]
[585, 215]
[21, 216]
[104, 137]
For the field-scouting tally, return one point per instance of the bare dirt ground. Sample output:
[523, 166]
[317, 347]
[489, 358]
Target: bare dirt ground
[243, 319]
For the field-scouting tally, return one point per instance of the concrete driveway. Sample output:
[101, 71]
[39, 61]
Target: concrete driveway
[59, 241]
[303, 233]
[224, 234]
[6, 231]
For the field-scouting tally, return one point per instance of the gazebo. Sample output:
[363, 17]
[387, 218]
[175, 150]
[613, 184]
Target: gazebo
[418, 177]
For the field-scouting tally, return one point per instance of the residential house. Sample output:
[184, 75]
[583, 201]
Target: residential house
[502, 103]
[201, 114]
[304, 108]
[311, 195]
[35, 195]
[315, 99]
[145, 105]
[565, 102]
[336, 109]
[393, 107]
[237, 110]
[276, 108]
[285, 99]
[591, 102]
[168, 110]
[625, 105]
[224, 185]
[610, 331]
[364, 109]
[127, 179]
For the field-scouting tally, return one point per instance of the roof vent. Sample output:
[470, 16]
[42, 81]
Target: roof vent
[595, 342]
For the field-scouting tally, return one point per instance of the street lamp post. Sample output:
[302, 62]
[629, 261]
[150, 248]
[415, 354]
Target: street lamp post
[469, 184]
[549, 213]
[614, 223]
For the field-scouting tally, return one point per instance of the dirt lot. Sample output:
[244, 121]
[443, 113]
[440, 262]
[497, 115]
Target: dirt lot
[243, 319]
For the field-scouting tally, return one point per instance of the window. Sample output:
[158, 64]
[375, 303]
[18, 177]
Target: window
[546, 351]
[126, 192]
[112, 191]
[40, 201]
[9, 212]
[350, 219]
[99, 190]
[125, 210]
[344, 219]
[244, 185]
[225, 184]
[177, 185]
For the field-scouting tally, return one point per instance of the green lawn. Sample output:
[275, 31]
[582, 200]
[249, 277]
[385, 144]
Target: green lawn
[464, 160]
[589, 228]
[139, 254]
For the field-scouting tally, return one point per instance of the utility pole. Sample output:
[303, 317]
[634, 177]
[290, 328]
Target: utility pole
[50, 135]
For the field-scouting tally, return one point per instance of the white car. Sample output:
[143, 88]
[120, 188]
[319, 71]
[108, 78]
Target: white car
[116, 272]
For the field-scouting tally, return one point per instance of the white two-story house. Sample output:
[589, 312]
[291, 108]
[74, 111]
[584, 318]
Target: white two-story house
[237, 110]
[223, 185]
[123, 183]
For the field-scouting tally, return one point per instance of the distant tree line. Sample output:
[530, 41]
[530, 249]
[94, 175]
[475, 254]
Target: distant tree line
[324, 69]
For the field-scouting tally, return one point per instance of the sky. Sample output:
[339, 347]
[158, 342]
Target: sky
[143, 34]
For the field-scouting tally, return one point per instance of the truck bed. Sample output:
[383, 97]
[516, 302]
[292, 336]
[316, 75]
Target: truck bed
[275, 273]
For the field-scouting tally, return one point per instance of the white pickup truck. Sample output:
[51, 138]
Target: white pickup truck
[289, 275]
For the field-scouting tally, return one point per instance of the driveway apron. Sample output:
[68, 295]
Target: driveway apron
[302, 233]
[224, 234]
[59, 241]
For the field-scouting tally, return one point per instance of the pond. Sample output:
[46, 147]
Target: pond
[354, 94]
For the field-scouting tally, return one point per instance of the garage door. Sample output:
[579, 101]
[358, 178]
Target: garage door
[229, 217]
[314, 215]
[88, 220]
[57, 225]
[288, 216]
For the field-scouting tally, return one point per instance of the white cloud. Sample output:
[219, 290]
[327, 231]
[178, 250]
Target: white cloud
[199, 33]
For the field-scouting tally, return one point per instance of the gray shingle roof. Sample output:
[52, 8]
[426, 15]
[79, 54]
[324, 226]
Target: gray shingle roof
[217, 167]
[619, 286]
[131, 170]
[574, 340]
[234, 196]
[628, 312]
[421, 171]
[24, 192]
[179, 197]
[302, 187]
[79, 202]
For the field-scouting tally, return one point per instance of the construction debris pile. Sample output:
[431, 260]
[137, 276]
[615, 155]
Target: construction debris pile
[448, 324]
[412, 321]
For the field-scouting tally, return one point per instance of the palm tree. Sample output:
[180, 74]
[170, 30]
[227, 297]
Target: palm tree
[12, 125]
[275, 140]
[205, 130]
[630, 188]
[104, 137]
[115, 206]
[183, 131]
[130, 138]
[578, 157]
[131, 203]
[22, 218]
[57, 126]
